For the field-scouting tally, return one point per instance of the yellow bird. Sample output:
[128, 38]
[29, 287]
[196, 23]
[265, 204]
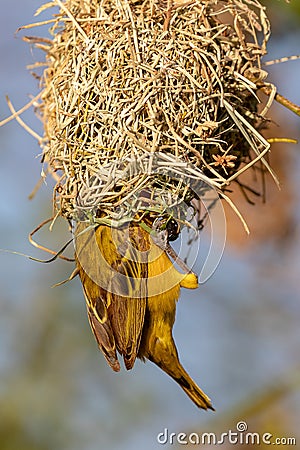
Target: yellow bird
[131, 288]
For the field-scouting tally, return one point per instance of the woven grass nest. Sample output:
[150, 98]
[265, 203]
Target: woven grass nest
[143, 96]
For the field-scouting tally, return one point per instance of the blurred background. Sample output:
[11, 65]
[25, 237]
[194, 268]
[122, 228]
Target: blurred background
[238, 334]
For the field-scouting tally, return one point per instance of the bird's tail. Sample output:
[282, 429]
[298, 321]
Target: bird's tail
[177, 372]
[193, 391]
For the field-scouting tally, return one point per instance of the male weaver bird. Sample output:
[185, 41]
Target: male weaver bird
[131, 288]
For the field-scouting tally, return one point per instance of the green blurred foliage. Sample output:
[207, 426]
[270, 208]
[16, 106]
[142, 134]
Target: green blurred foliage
[284, 15]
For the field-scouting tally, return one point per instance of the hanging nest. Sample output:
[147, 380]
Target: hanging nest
[142, 96]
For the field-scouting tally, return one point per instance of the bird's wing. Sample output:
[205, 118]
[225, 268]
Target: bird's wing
[129, 290]
[113, 275]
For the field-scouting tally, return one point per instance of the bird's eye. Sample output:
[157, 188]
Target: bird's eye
[173, 229]
[168, 226]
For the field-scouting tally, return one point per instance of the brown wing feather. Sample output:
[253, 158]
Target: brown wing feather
[127, 312]
[104, 336]
[116, 320]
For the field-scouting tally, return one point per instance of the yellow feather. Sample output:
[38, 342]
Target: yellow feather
[131, 288]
